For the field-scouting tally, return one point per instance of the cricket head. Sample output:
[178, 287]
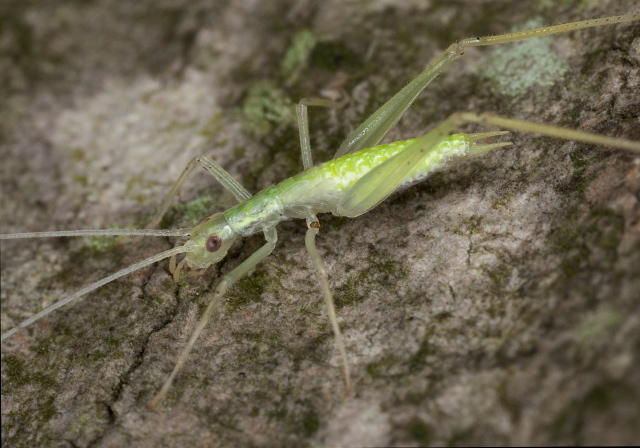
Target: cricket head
[209, 242]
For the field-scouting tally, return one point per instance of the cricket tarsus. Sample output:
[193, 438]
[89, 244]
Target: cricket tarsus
[359, 177]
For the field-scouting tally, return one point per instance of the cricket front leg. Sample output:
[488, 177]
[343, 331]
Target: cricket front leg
[227, 181]
[227, 281]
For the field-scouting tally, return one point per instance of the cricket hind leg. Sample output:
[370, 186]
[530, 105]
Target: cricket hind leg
[373, 129]
[227, 181]
[227, 281]
[310, 242]
[547, 130]
[384, 179]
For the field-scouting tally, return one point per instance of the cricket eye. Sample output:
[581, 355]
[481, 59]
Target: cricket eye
[213, 243]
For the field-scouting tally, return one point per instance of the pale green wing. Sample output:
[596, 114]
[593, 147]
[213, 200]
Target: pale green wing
[374, 128]
[381, 181]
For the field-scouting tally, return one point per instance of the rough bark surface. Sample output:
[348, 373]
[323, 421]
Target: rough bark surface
[496, 303]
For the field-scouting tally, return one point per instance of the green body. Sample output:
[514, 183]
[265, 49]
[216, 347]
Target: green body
[320, 188]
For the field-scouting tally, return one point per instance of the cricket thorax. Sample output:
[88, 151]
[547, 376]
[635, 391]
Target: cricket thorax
[253, 215]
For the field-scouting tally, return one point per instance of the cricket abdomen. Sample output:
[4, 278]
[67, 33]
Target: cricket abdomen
[321, 187]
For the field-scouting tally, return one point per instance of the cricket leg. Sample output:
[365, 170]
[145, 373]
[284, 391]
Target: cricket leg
[227, 181]
[380, 182]
[549, 130]
[374, 128]
[310, 242]
[303, 125]
[227, 281]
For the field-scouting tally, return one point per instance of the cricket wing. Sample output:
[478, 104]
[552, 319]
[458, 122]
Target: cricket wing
[375, 186]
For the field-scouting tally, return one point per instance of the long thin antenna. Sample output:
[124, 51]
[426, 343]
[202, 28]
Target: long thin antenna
[96, 285]
[106, 232]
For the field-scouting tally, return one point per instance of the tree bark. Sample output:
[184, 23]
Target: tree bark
[495, 303]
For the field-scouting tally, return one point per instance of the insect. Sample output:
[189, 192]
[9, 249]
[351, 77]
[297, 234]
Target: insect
[353, 200]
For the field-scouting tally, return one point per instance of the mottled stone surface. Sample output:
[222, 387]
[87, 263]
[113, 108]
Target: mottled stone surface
[496, 303]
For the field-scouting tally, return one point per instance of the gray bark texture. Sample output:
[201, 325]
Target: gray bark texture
[495, 303]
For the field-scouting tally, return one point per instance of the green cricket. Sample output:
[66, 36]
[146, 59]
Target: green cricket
[360, 176]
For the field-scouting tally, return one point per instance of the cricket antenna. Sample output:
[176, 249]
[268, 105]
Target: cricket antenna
[99, 283]
[106, 232]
